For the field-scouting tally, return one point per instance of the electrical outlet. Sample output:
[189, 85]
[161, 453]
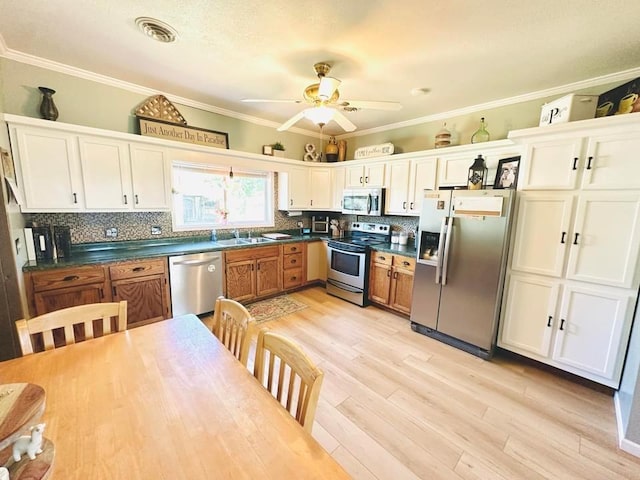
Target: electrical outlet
[300, 224]
[156, 230]
[111, 232]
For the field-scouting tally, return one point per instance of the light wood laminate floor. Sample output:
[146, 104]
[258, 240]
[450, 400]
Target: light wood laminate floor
[397, 405]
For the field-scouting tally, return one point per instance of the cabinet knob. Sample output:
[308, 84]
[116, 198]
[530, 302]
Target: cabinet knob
[136, 198]
[293, 260]
[382, 258]
[411, 205]
[75, 198]
[589, 160]
[562, 324]
[575, 239]
[361, 180]
[575, 163]
[138, 269]
[388, 273]
[70, 278]
[405, 263]
[125, 200]
[564, 234]
[549, 321]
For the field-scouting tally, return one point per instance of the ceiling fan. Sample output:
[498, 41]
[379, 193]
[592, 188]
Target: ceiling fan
[325, 100]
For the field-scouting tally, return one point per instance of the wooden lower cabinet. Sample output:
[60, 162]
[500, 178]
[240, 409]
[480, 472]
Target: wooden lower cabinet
[293, 265]
[143, 284]
[51, 290]
[391, 280]
[253, 272]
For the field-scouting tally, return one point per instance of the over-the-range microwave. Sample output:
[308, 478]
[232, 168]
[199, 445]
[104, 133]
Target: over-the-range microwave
[363, 201]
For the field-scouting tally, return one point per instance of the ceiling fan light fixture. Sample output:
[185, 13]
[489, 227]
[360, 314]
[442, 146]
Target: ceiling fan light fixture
[156, 29]
[319, 115]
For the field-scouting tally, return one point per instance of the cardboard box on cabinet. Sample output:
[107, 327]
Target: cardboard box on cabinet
[568, 109]
[620, 100]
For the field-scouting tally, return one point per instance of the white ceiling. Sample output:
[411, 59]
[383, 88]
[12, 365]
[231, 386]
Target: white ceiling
[467, 53]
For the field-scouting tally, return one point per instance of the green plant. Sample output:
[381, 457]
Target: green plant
[278, 146]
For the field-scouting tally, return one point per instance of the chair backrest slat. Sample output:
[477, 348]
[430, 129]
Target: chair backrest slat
[63, 322]
[234, 326]
[304, 377]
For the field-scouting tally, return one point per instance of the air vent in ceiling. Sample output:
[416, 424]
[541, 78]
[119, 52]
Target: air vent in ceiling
[156, 29]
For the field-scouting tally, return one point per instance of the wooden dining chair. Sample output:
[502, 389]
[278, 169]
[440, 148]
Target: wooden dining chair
[291, 376]
[234, 327]
[70, 325]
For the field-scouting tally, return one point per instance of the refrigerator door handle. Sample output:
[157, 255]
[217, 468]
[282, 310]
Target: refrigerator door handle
[443, 232]
[447, 244]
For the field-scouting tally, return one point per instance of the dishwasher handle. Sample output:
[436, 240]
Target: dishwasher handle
[195, 263]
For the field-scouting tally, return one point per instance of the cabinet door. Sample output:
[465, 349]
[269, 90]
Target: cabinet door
[106, 174]
[294, 189]
[49, 168]
[320, 188]
[338, 182]
[593, 331]
[454, 170]
[374, 175]
[401, 289]
[542, 232]
[421, 178]
[380, 282]
[397, 188]
[268, 276]
[52, 300]
[241, 280]
[146, 302]
[606, 239]
[612, 162]
[551, 165]
[528, 316]
[354, 176]
[151, 179]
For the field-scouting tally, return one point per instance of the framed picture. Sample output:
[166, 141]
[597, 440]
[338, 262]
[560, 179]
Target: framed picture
[507, 173]
[267, 150]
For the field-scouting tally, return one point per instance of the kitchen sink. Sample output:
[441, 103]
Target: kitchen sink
[243, 241]
[255, 240]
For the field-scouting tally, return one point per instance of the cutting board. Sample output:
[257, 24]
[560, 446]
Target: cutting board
[276, 236]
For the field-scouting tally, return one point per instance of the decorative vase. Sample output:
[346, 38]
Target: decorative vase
[481, 135]
[48, 109]
[342, 150]
[331, 150]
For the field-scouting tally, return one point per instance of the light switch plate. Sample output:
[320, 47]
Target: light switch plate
[111, 232]
[156, 230]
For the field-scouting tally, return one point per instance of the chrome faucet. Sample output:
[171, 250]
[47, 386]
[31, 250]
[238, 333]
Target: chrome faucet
[249, 234]
[236, 233]
[214, 235]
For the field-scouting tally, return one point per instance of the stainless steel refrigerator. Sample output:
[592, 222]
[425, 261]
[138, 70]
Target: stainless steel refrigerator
[463, 239]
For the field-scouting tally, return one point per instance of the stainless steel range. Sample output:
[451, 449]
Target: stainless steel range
[348, 260]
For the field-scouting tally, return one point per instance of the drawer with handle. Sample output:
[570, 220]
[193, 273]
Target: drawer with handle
[67, 277]
[137, 269]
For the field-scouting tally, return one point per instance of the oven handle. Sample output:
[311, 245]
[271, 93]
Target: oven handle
[343, 286]
[443, 231]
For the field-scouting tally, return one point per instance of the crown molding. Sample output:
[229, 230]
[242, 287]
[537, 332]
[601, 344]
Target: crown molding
[95, 77]
[563, 89]
[132, 87]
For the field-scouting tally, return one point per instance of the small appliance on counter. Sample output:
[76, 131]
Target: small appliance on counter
[320, 223]
[43, 242]
[48, 243]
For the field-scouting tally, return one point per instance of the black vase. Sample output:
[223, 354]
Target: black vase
[48, 109]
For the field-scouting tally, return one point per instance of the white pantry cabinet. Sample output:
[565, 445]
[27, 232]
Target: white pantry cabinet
[48, 169]
[579, 328]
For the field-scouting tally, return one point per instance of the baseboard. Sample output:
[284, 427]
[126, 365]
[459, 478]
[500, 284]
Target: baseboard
[627, 445]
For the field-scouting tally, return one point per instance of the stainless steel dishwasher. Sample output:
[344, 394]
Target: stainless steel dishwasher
[196, 282]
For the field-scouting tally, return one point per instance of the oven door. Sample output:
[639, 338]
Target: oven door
[347, 267]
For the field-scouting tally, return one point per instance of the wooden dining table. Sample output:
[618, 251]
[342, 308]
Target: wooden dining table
[165, 401]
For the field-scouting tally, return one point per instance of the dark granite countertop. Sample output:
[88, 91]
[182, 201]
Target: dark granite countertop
[106, 252]
[408, 250]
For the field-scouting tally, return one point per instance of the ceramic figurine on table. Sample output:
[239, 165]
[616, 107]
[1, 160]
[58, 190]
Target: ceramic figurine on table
[29, 444]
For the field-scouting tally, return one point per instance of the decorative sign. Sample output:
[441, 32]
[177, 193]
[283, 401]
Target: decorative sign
[374, 151]
[182, 133]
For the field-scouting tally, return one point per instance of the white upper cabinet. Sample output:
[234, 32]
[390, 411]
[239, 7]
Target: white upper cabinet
[106, 174]
[406, 181]
[541, 234]
[612, 162]
[338, 180]
[48, 169]
[321, 197]
[551, 165]
[150, 177]
[303, 188]
[365, 175]
[605, 239]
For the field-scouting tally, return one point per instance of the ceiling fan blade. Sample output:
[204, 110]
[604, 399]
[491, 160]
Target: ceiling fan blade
[344, 122]
[371, 105]
[289, 123]
[328, 85]
[267, 100]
